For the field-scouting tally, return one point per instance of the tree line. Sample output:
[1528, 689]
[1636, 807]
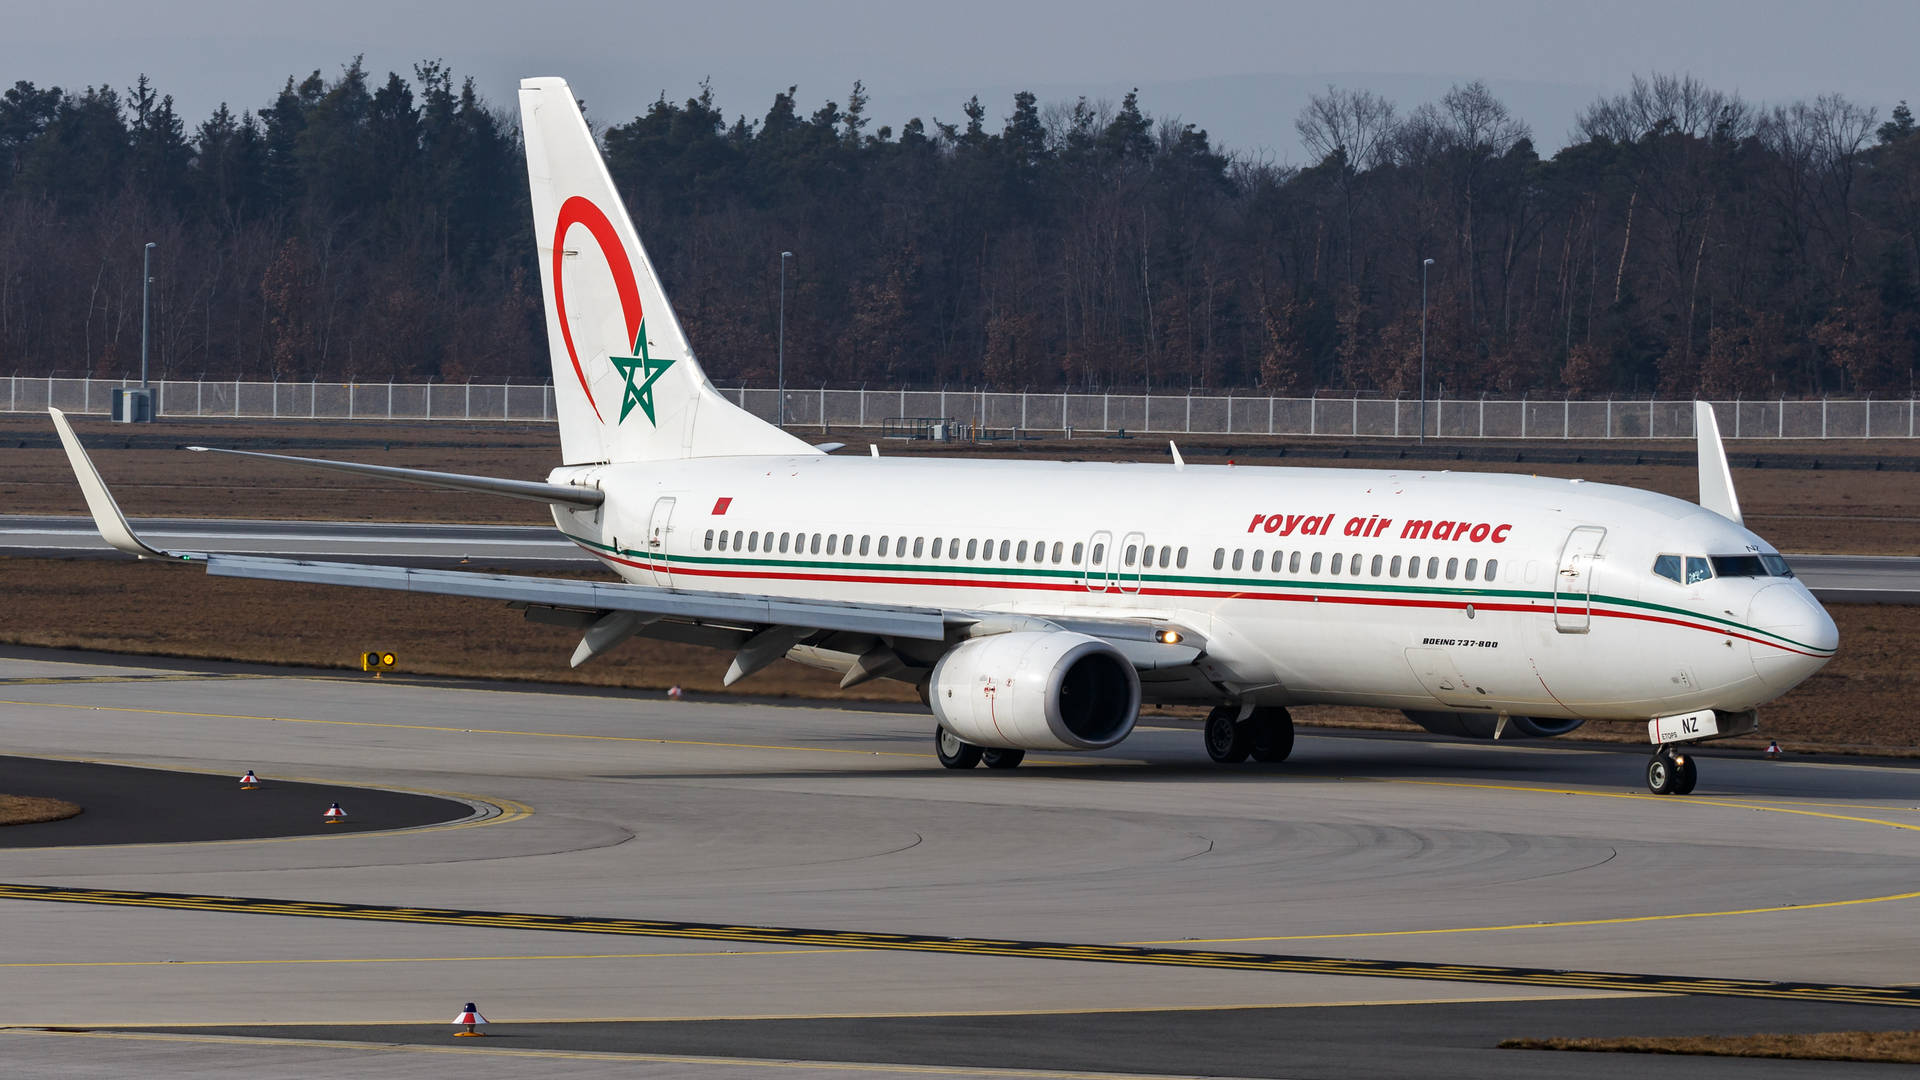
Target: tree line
[1685, 242]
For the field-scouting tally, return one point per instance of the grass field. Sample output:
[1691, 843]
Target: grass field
[33, 809]
[1886, 1047]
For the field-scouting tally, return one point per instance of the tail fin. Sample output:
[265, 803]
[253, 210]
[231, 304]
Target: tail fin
[626, 384]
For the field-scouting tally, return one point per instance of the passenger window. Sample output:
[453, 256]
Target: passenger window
[1279, 561]
[1377, 561]
[1020, 553]
[753, 541]
[1166, 556]
[1058, 547]
[1127, 559]
[1339, 560]
[766, 540]
[918, 546]
[1293, 564]
[1180, 560]
[971, 546]
[1492, 565]
[784, 537]
[738, 536]
[1698, 569]
[1257, 556]
[1453, 566]
[1099, 554]
[846, 544]
[833, 544]
[1433, 567]
[1472, 565]
[1353, 565]
[1393, 568]
[1314, 568]
[865, 543]
[723, 539]
[1238, 554]
[1079, 549]
[709, 539]
[1219, 558]
[1005, 546]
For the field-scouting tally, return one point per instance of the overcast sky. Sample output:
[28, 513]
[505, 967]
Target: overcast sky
[1240, 69]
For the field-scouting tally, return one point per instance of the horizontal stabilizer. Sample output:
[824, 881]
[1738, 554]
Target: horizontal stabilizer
[534, 490]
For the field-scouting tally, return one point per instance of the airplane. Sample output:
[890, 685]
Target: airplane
[1037, 606]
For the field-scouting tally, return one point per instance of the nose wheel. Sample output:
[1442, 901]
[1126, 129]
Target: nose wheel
[1671, 773]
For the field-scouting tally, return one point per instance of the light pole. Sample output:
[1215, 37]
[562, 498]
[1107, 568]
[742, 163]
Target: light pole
[146, 289]
[1423, 350]
[782, 377]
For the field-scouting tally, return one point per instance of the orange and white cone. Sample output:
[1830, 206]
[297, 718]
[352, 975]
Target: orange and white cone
[247, 782]
[334, 813]
[470, 1017]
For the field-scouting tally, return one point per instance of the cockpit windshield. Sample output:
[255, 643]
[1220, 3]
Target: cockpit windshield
[1691, 569]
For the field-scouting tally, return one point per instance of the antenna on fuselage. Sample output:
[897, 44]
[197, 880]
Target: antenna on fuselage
[1178, 461]
[1716, 479]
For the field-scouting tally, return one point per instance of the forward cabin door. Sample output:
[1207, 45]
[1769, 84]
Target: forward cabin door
[1096, 572]
[1573, 585]
[659, 528]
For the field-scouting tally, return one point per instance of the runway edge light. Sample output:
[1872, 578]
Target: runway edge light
[470, 1017]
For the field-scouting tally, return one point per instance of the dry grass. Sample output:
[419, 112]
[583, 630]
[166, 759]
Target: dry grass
[1807, 510]
[1888, 1047]
[33, 809]
[1859, 703]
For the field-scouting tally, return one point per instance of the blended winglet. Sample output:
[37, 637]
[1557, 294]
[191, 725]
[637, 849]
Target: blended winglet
[106, 513]
[1716, 479]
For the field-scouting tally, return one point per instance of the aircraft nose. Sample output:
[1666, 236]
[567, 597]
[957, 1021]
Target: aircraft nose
[1797, 635]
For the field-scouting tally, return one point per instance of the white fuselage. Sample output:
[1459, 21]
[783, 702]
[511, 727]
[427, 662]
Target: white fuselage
[1533, 596]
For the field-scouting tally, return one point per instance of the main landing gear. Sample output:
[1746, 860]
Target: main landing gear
[1671, 772]
[956, 754]
[1235, 733]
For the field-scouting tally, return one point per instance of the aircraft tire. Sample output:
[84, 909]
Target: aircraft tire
[1272, 734]
[953, 752]
[1228, 742]
[1661, 774]
[1686, 775]
[1003, 759]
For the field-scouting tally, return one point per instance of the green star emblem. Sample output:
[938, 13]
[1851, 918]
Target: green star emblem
[644, 367]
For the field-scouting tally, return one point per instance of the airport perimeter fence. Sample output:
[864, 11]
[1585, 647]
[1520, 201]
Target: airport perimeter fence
[989, 414]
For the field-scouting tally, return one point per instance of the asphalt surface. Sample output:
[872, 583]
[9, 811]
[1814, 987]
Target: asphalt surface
[1396, 905]
[1833, 578]
[1445, 1040]
[122, 805]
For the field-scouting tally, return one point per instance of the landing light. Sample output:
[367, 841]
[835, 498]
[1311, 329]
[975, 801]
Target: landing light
[1167, 637]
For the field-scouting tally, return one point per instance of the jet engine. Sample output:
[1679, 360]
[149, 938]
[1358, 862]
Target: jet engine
[1479, 725]
[1036, 690]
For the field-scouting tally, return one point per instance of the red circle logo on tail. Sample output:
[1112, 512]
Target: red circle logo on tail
[579, 210]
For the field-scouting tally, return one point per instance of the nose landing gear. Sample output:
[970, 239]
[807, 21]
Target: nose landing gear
[1671, 773]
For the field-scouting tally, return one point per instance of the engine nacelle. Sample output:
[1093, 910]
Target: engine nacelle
[1479, 725]
[1036, 690]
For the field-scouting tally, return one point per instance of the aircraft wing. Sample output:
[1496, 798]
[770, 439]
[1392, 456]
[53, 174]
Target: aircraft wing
[611, 611]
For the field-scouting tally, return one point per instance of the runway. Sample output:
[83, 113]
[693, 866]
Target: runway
[724, 889]
[1833, 578]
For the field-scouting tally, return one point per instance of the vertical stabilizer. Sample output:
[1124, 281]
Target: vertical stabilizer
[626, 384]
[1716, 480]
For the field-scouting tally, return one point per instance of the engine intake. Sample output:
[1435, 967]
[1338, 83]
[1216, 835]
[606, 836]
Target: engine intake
[1479, 725]
[1036, 690]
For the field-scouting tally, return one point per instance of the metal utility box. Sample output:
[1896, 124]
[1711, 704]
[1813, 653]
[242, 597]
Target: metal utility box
[132, 405]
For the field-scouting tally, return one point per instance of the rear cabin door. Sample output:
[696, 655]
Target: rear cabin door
[1573, 584]
[659, 529]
